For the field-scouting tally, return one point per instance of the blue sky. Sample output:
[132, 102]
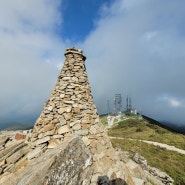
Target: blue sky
[79, 18]
[133, 47]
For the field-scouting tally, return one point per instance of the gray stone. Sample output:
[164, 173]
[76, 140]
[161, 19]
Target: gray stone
[69, 102]
[103, 180]
[82, 132]
[50, 108]
[118, 181]
[17, 155]
[68, 109]
[58, 136]
[73, 167]
[12, 149]
[36, 152]
[62, 95]
[63, 129]
[3, 140]
[53, 143]
[69, 163]
[62, 121]
[42, 135]
[61, 110]
[86, 140]
[77, 126]
[74, 122]
[46, 111]
[2, 148]
[66, 78]
[42, 140]
[140, 160]
[2, 162]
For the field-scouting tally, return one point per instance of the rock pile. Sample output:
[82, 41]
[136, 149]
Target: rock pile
[153, 174]
[12, 149]
[69, 163]
[70, 108]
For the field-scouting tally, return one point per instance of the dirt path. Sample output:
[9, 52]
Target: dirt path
[162, 145]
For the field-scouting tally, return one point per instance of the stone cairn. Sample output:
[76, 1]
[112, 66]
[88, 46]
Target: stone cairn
[70, 110]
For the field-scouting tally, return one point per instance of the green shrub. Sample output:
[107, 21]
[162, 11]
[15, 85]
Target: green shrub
[139, 129]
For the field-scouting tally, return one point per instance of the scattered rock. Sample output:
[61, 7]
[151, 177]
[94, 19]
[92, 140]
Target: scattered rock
[53, 143]
[63, 129]
[20, 136]
[42, 140]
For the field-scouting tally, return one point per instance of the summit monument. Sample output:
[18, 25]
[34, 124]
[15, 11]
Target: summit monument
[70, 110]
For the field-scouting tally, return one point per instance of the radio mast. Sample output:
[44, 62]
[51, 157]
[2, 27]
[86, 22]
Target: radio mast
[117, 103]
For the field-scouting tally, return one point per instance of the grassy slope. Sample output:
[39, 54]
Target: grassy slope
[141, 129]
[171, 162]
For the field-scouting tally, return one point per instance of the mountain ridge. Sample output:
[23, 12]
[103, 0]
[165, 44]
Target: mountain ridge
[167, 125]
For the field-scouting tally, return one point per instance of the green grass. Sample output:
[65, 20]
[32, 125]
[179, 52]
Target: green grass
[140, 129]
[170, 162]
[104, 119]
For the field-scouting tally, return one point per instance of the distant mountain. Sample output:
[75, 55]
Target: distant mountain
[177, 128]
[167, 125]
[161, 124]
[15, 126]
[19, 127]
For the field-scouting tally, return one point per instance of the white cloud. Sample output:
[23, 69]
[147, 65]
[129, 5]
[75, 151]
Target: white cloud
[175, 103]
[27, 42]
[137, 49]
[171, 101]
[29, 16]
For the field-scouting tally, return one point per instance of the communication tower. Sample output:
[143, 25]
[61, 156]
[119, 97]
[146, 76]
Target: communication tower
[117, 103]
[108, 107]
[130, 104]
[127, 104]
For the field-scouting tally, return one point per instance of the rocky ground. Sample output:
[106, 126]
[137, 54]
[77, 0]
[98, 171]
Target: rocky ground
[67, 163]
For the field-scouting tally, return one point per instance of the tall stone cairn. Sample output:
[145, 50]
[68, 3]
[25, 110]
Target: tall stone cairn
[70, 110]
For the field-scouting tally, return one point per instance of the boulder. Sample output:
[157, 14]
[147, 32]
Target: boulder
[20, 136]
[68, 163]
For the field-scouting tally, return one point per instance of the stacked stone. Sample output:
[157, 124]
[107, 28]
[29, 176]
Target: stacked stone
[12, 149]
[70, 110]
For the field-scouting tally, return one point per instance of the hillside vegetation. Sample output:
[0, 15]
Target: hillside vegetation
[171, 162]
[142, 129]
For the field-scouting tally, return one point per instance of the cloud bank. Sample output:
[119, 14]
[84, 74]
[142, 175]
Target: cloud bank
[137, 49]
[30, 53]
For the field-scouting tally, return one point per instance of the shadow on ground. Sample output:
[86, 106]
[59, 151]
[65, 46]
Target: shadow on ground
[104, 180]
